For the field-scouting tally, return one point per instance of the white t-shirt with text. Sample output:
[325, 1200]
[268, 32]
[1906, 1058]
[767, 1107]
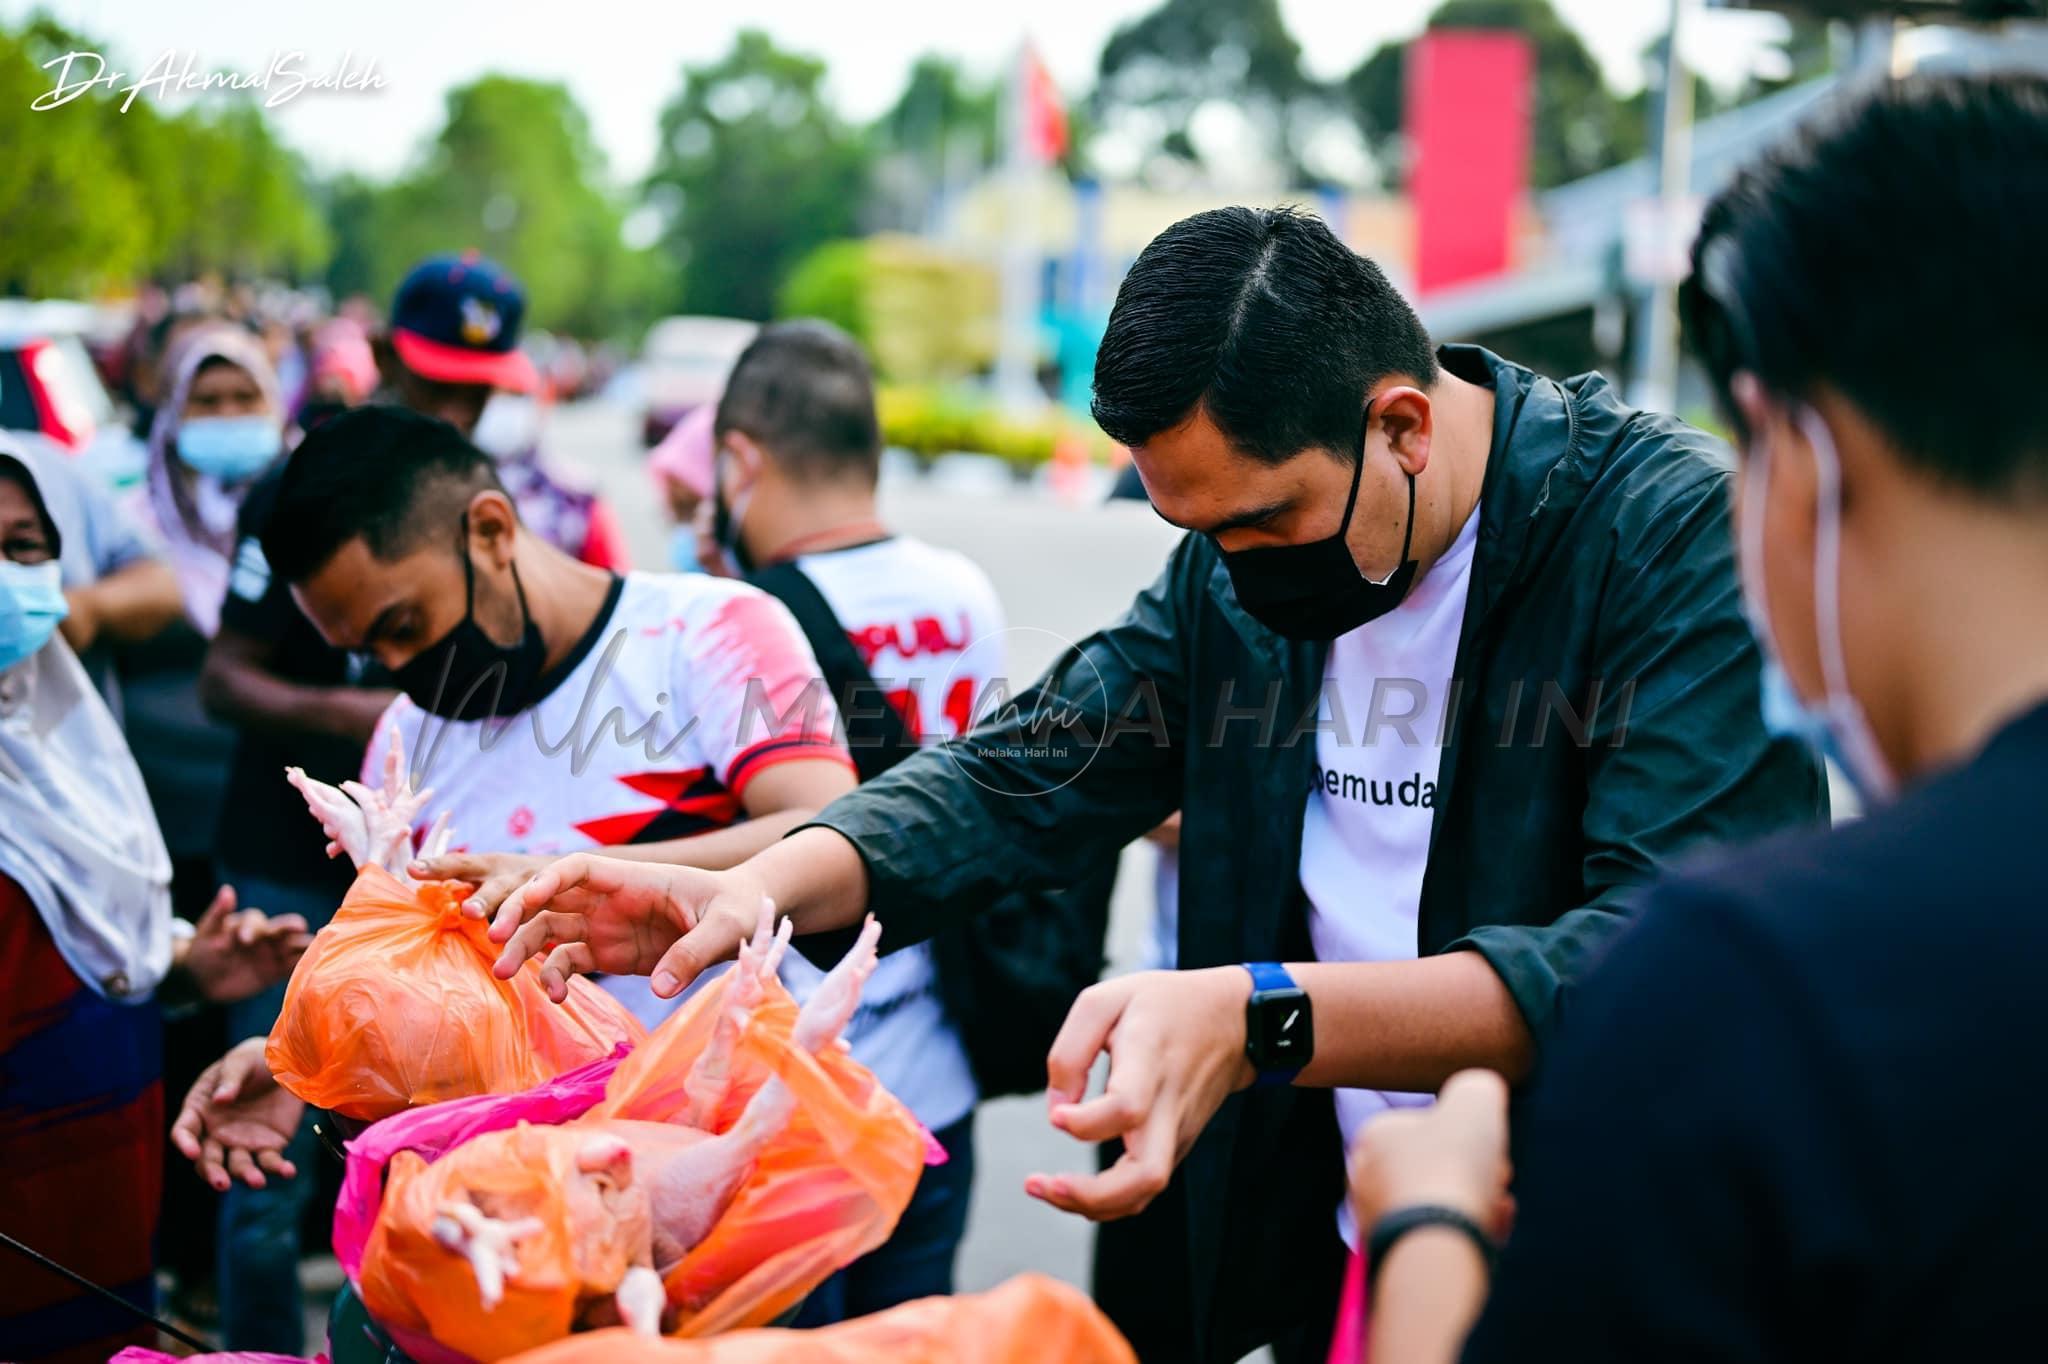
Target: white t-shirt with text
[1365, 841]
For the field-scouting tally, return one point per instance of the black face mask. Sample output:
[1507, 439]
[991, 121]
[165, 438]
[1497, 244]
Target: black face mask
[1315, 591]
[725, 529]
[467, 675]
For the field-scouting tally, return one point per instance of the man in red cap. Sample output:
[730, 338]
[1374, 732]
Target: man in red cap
[452, 352]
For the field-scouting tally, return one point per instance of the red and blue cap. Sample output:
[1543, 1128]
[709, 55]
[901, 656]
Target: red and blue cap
[456, 321]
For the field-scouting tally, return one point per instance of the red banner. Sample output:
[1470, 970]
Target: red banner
[1467, 117]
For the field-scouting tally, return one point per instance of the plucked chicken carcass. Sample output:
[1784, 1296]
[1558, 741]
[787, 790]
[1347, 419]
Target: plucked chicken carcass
[394, 1005]
[549, 1229]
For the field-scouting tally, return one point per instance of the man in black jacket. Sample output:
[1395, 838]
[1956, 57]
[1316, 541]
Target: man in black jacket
[1454, 661]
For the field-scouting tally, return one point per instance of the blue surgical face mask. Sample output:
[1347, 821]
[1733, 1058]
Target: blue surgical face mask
[231, 449]
[682, 550]
[31, 604]
[1836, 724]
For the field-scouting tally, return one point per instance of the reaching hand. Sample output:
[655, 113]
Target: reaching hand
[237, 1120]
[1176, 1050]
[495, 875]
[233, 955]
[626, 918]
[1454, 1154]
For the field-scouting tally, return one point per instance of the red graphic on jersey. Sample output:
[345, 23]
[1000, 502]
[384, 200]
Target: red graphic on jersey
[927, 636]
[691, 802]
[521, 823]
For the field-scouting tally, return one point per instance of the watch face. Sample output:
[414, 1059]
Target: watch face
[1282, 1033]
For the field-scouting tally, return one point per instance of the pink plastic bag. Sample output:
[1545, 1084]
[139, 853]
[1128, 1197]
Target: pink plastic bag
[1347, 1340]
[135, 1354]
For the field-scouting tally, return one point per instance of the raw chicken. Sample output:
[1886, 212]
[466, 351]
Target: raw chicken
[374, 825]
[635, 1196]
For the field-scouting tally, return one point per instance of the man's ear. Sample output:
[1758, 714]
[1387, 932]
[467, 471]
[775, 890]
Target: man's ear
[748, 460]
[1403, 417]
[493, 527]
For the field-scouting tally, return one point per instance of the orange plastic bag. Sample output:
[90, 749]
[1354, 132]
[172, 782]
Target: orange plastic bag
[826, 1188]
[1024, 1320]
[394, 1005]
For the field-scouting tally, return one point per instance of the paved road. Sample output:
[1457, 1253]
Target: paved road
[1061, 571]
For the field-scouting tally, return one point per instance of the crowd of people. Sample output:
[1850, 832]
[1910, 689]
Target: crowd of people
[1488, 715]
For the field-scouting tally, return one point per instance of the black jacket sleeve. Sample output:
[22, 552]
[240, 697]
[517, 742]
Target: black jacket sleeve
[1677, 757]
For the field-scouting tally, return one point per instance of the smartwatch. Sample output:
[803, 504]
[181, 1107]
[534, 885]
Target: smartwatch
[1279, 1027]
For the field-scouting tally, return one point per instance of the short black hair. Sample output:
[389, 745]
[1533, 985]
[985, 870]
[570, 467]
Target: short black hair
[1264, 319]
[804, 391]
[388, 474]
[1888, 251]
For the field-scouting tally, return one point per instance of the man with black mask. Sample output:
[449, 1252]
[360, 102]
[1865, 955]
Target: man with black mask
[1452, 662]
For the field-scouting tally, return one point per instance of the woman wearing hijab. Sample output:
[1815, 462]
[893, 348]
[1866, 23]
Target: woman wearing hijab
[90, 956]
[219, 424]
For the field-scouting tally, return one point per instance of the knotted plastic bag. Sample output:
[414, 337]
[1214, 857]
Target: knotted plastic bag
[826, 1189]
[394, 1006]
[1024, 1320]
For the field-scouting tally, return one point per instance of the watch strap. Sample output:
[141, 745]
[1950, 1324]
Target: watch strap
[1394, 1225]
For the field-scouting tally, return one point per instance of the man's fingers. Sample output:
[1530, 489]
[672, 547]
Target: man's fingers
[210, 1167]
[275, 1163]
[1476, 1101]
[533, 937]
[570, 959]
[697, 951]
[490, 892]
[1122, 1190]
[1110, 1114]
[185, 1131]
[540, 889]
[244, 1169]
[1081, 1039]
[447, 867]
[216, 915]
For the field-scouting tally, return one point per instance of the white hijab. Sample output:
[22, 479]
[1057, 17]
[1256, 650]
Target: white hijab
[76, 830]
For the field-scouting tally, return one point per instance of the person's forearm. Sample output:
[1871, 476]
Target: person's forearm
[137, 601]
[1411, 1025]
[1425, 1298]
[816, 877]
[719, 849]
[256, 699]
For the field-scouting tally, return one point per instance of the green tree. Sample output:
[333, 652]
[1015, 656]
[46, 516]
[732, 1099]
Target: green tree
[1580, 126]
[1172, 60]
[754, 170]
[514, 173]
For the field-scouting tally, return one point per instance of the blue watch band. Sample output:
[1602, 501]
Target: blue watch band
[1269, 975]
[1268, 978]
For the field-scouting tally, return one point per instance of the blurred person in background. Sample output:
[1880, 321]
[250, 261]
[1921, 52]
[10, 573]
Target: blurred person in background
[293, 701]
[1793, 1116]
[89, 950]
[117, 588]
[681, 467]
[452, 351]
[342, 371]
[220, 425]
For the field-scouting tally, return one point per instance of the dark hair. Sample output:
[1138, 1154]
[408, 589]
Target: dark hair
[1889, 250]
[804, 391]
[386, 474]
[1264, 319]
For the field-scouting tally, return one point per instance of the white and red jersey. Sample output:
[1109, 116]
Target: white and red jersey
[927, 622]
[685, 689]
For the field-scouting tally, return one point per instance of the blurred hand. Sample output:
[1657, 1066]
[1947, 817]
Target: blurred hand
[1176, 1050]
[1454, 1154]
[81, 624]
[233, 955]
[237, 1120]
[593, 913]
[495, 875]
[1167, 835]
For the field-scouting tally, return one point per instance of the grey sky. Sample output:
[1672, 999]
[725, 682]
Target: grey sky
[622, 58]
